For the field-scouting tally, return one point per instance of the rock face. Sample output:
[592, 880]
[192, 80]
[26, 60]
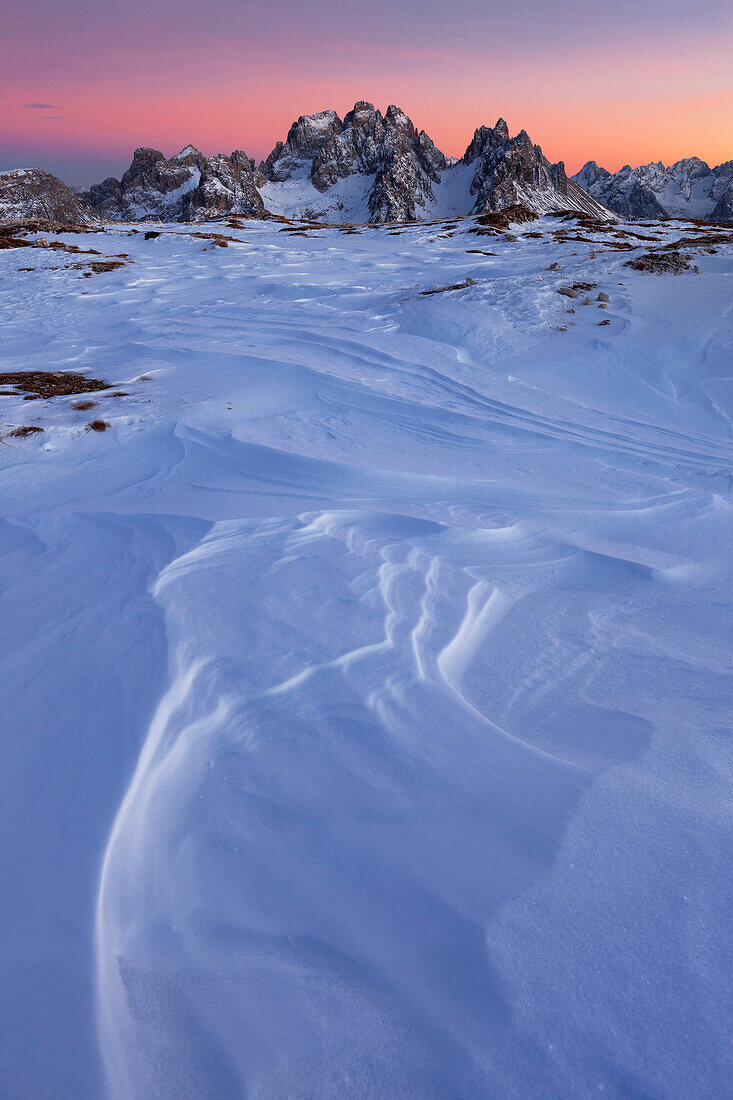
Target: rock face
[366, 167]
[511, 171]
[188, 187]
[622, 192]
[401, 162]
[29, 193]
[305, 139]
[688, 189]
[404, 176]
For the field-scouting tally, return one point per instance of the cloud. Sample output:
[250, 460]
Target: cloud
[50, 116]
[40, 106]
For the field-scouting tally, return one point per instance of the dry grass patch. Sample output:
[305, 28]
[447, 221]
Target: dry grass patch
[49, 383]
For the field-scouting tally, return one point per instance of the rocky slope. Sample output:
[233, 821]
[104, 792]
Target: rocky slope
[510, 171]
[395, 164]
[688, 189]
[29, 193]
[188, 187]
[404, 176]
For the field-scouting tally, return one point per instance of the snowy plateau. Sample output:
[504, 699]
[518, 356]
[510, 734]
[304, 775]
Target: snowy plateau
[365, 660]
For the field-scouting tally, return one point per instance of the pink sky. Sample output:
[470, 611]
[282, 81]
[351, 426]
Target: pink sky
[84, 83]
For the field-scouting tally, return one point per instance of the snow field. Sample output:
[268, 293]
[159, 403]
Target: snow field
[365, 683]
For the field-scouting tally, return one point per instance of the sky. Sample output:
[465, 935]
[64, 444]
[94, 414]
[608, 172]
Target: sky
[84, 82]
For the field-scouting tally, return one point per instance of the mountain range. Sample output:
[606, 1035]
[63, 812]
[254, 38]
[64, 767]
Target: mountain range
[688, 189]
[372, 167]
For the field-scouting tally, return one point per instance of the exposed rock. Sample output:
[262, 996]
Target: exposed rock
[661, 263]
[185, 188]
[401, 162]
[305, 139]
[688, 189]
[622, 192]
[29, 193]
[514, 172]
[227, 186]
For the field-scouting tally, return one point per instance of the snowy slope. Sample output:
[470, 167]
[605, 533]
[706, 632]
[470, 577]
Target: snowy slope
[296, 197]
[365, 682]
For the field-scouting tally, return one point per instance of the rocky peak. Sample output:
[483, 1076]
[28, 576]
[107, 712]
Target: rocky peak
[590, 174]
[30, 193]
[688, 188]
[189, 154]
[512, 171]
[485, 138]
[188, 186]
[388, 147]
[306, 137]
[227, 186]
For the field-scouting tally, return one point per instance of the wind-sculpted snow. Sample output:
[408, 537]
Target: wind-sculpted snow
[366, 679]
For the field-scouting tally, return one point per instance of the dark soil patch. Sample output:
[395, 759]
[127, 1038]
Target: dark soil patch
[585, 221]
[14, 242]
[100, 266]
[151, 235]
[50, 383]
[26, 429]
[455, 286]
[661, 263]
[502, 219]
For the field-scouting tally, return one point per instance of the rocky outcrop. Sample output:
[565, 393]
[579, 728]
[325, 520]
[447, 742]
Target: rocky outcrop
[227, 186]
[187, 187]
[622, 192]
[29, 193]
[511, 171]
[688, 189]
[401, 162]
[305, 139]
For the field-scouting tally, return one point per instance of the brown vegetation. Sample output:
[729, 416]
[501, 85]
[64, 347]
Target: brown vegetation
[49, 383]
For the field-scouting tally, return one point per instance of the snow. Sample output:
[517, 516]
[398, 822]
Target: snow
[347, 201]
[453, 194]
[365, 684]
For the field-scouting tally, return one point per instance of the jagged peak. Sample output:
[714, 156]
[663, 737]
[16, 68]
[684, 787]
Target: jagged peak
[145, 152]
[189, 151]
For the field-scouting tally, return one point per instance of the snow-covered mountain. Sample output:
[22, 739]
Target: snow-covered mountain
[29, 193]
[368, 167]
[512, 171]
[379, 168]
[688, 189]
[188, 187]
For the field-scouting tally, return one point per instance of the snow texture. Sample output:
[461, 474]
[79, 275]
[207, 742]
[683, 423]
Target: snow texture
[365, 684]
